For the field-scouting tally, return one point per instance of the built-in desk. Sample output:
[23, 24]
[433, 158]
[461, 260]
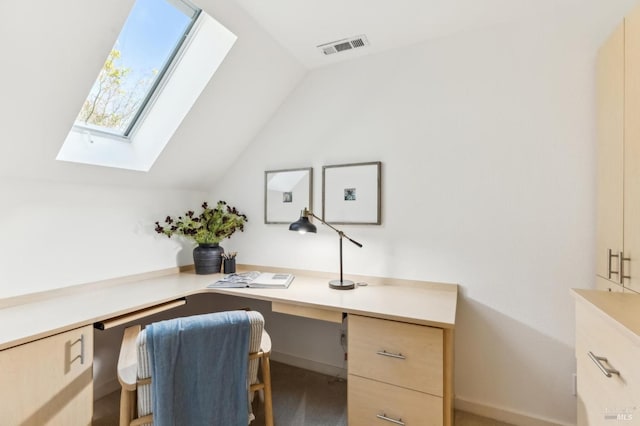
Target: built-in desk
[399, 320]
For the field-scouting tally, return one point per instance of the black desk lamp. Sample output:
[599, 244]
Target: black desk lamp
[303, 225]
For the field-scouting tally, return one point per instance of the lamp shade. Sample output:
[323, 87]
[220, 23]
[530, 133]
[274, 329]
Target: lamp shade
[303, 225]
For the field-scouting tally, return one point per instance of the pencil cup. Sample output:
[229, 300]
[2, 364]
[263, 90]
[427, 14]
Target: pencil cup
[230, 266]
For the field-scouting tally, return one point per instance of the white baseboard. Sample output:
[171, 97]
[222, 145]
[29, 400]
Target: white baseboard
[504, 415]
[307, 364]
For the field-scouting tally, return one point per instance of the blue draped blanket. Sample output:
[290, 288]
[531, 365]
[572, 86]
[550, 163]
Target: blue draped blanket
[199, 370]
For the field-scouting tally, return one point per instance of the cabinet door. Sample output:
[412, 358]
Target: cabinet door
[49, 381]
[610, 136]
[632, 151]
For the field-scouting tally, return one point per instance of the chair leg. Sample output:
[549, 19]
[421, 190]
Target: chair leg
[266, 379]
[127, 407]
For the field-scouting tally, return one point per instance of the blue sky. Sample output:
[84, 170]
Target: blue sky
[148, 38]
[149, 35]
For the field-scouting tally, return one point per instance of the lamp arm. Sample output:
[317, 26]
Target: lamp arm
[342, 234]
[353, 241]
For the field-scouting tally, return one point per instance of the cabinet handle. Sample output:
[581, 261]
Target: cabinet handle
[609, 271]
[622, 259]
[82, 349]
[599, 360]
[383, 416]
[81, 356]
[391, 355]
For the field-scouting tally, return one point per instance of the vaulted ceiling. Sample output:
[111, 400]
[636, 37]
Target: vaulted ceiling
[52, 51]
[300, 26]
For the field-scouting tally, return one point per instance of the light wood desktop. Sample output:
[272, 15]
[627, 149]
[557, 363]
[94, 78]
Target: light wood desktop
[400, 340]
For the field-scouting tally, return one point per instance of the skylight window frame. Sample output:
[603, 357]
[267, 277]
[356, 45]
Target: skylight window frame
[154, 92]
[194, 68]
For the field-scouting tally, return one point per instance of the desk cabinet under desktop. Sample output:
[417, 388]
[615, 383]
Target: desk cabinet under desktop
[49, 381]
[399, 373]
[400, 360]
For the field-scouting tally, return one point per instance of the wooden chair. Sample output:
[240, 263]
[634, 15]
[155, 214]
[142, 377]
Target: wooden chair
[135, 376]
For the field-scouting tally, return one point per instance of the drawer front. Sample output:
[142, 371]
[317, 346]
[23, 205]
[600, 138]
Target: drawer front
[401, 354]
[601, 346]
[380, 404]
[307, 312]
[603, 400]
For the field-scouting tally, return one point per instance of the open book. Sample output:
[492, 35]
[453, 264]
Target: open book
[254, 279]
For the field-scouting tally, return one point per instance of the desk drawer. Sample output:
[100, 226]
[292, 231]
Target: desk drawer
[602, 397]
[307, 312]
[369, 399]
[603, 337]
[402, 354]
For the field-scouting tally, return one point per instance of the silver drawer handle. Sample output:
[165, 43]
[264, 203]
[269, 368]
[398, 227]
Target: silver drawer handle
[621, 275]
[599, 360]
[383, 416]
[391, 355]
[611, 256]
[81, 356]
[82, 349]
[82, 352]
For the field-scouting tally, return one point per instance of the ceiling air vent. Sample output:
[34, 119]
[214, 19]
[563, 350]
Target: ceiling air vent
[344, 44]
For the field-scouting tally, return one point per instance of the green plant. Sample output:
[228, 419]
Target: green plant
[210, 227]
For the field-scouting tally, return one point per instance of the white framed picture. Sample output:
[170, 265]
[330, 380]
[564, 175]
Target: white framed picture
[286, 194]
[351, 193]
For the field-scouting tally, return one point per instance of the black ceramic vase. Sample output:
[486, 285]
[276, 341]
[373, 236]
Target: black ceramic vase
[207, 258]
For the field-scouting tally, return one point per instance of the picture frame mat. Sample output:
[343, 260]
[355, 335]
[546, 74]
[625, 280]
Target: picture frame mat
[286, 193]
[351, 193]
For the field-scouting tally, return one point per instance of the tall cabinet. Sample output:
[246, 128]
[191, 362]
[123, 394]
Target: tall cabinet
[631, 221]
[610, 125]
[618, 190]
[608, 324]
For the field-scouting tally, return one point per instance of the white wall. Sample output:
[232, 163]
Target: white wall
[57, 235]
[65, 223]
[487, 144]
[486, 140]
[56, 59]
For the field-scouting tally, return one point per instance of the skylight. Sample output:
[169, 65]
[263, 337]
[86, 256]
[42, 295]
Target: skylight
[145, 48]
[150, 81]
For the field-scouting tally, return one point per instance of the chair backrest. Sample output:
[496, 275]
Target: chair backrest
[144, 401]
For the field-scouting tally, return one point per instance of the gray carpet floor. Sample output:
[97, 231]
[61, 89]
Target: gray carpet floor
[303, 397]
[300, 398]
